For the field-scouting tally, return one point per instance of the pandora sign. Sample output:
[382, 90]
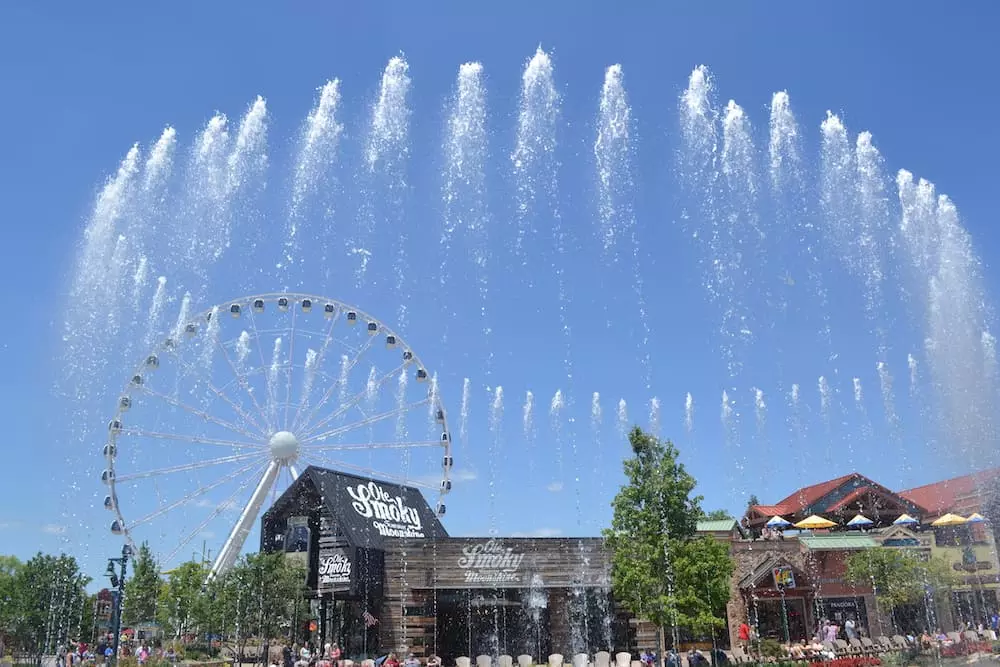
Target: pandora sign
[392, 517]
[490, 563]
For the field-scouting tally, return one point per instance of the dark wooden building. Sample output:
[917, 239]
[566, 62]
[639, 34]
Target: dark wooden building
[385, 576]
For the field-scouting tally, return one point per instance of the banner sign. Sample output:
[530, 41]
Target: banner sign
[369, 513]
[334, 571]
[490, 563]
[783, 577]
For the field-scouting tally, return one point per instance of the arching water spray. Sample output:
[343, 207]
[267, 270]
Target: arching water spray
[865, 422]
[496, 435]
[465, 193]
[463, 416]
[314, 184]
[621, 418]
[596, 433]
[155, 312]
[613, 155]
[528, 430]
[826, 414]
[891, 416]
[556, 408]
[387, 154]
[654, 416]
[689, 413]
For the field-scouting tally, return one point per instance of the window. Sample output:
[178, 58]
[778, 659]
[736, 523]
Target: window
[298, 534]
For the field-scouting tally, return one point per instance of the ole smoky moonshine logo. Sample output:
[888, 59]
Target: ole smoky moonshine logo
[490, 563]
[335, 569]
[392, 517]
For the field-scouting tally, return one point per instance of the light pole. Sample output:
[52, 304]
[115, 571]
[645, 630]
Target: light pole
[117, 577]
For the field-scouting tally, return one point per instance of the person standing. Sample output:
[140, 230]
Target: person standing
[849, 629]
[744, 635]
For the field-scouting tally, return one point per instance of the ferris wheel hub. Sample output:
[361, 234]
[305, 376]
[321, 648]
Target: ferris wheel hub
[284, 447]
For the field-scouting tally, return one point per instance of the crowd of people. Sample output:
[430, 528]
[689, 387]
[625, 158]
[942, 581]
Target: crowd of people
[331, 655]
[77, 654]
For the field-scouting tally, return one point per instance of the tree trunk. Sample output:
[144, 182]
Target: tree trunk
[661, 648]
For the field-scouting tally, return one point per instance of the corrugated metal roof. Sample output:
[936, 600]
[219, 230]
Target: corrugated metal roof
[718, 526]
[837, 542]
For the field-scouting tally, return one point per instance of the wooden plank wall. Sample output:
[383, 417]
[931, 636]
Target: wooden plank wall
[414, 568]
[559, 562]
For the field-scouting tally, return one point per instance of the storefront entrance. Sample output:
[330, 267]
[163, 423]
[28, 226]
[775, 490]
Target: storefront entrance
[773, 615]
[475, 622]
[839, 610]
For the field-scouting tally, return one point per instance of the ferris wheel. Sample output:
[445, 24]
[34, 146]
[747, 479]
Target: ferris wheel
[224, 412]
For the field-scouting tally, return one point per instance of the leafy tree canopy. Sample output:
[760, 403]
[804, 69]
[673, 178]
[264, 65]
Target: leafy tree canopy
[719, 515]
[142, 588]
[41, 601]
[899, 576]
[661, 571]
[183, 601]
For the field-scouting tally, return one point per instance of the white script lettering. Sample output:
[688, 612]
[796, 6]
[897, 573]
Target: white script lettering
[372, 501]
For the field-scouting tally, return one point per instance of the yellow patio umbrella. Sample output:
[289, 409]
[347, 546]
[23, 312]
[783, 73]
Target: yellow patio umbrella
[949, 520]
[815, 521]
[975, 517]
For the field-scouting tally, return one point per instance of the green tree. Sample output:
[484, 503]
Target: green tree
[9, 566]
[661, 571]
[183, 601]
[719, 515]
[45, 598]
[898, 576]
[142, 588]
[258, 596]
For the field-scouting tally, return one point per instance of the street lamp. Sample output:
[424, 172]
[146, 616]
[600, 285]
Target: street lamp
[117, 577]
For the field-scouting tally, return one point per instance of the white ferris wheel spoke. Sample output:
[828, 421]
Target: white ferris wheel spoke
[199, 413]
[194, 439]
[367, 472]
[264, 365]
[353, 401]
[367, 421]
[304, 403]
[223, 506]
[288, 374]
[241, 380]
[194, 494]
[293, 471]
[340, 380]
[215, 390]
[371, 445]
[197, 465]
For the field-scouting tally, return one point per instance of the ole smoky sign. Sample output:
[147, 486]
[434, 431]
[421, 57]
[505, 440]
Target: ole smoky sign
[490, 563]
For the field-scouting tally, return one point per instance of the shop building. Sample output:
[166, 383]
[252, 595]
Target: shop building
[787, 584]
[386, 576]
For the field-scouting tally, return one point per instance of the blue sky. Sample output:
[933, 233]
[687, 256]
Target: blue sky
[81, 85]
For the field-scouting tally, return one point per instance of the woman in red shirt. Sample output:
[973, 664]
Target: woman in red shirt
[744, 634]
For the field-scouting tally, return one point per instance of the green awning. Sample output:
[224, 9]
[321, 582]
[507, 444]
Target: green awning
[719, 526]
[837, 542]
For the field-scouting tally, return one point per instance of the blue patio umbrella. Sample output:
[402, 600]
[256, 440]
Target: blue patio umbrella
[860, 520]
[975, 517]
[777, 522]
[904, 519]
